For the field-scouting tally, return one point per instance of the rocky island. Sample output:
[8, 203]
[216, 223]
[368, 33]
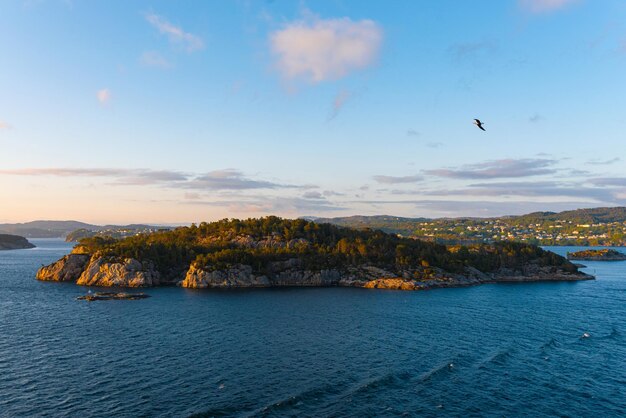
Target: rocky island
[14, 242]
[597, 255]
[272, 252]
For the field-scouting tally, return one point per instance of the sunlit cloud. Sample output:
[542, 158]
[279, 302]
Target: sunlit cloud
[4, 125]
[317, 49]
[154, 59]
[103, 96]
[544, 6]
[192, 196]
[175, 34]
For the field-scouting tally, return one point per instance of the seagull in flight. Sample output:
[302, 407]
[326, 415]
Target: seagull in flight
[479, 124]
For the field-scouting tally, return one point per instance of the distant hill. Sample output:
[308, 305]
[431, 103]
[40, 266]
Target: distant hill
[44, 229]
[596, 226]
[61, 229]
[113, 231]
[595, 215]
[14, 242]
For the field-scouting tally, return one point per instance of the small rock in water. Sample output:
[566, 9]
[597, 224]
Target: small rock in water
[112, 295]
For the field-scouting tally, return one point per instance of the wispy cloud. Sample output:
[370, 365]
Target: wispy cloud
[482, 208]
[228, 179]
[535, 118]
[397, 180]
[175, 34]
[329, 193]
[465, 50]
[604, 162]
[317, 49]
[154, 59]
[473, 207]
[103, 96]
[434, 144]
[272, 205]
[412, 132]
[4, 125]
[608, 181]
[312, 195]
[544, 6]
[539, 189]
[498, 169]
[340, 100]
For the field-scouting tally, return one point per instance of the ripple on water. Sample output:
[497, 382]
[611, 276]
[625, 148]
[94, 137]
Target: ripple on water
[311, 352]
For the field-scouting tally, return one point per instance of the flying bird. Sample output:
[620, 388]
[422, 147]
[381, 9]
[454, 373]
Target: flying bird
[479, 124]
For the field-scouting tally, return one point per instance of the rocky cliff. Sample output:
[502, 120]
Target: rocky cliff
[96, 270]
[67, 269]
[368, 277]
[99, 271]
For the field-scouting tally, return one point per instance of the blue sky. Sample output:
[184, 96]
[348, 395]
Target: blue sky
[164, 112]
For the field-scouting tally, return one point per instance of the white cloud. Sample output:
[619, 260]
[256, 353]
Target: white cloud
[175, 33]
[325, 49]
[154, 59]
[544, 6]
[103, 95]
[4, 125]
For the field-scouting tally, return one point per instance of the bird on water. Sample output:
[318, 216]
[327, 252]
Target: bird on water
[479, 124]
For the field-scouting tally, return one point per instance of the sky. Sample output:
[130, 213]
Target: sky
[171, 112]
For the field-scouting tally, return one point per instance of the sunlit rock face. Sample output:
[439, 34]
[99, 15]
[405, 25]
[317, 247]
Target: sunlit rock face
[125, 273]
[67, 269]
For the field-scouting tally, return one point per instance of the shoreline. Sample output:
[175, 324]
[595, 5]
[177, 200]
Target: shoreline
[94, 271]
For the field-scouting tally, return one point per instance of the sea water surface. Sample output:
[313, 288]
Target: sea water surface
[492, 350]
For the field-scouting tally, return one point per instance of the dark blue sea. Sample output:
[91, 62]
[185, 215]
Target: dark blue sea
[494, 350]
